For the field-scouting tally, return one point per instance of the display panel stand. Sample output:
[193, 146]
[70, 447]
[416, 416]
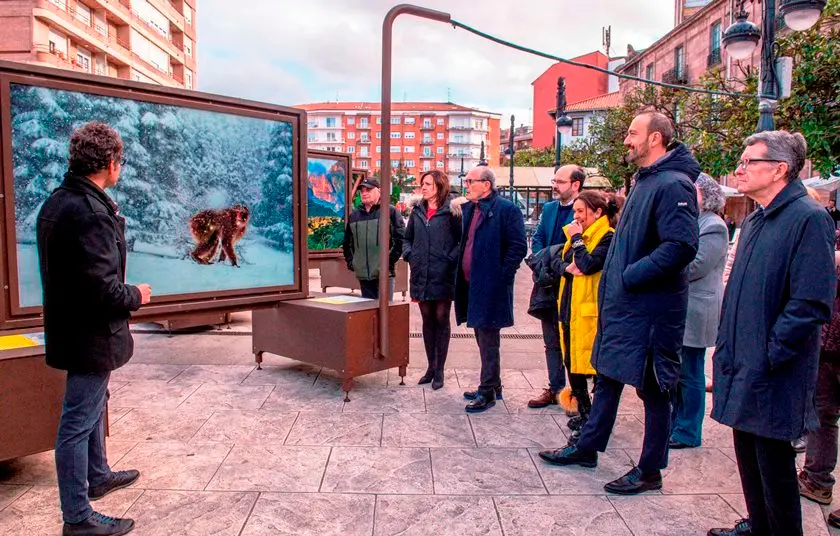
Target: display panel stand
[339, 332]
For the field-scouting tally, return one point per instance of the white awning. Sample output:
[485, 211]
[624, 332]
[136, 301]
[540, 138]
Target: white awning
[828, 185]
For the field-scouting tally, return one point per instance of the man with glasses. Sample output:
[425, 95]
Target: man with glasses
[82, 254]
[492, 248]
[781, 289]
[565, 186]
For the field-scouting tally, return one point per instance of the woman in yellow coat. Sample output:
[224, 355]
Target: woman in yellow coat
[588, 239]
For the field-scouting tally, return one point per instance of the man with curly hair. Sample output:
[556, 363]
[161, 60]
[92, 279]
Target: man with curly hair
[82, 254]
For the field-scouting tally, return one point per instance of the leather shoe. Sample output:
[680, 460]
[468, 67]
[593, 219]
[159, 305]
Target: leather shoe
[545, 399]
[482, 402]
[437, 380]
[570, 455]
[427, 377]
[118, 480]
[99, 525]
[741, 528]
[834, 519]
[635, 481]
[677, 445]
[575, 423]
[471, 395]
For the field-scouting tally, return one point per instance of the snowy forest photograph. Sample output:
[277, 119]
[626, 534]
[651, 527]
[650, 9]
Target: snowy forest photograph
[326, 199]
[207, 196]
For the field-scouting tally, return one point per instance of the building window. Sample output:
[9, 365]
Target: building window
[151, 16]
[58, 43]
[351, 120]
[396, 148]
[409, 135]
[714, 44]
[396, 135]
[363, 164]
[378, 148]
[458, 138]
[649, 72]
[331, 122]
[409, 163]
[331, 136]
[60, 3]
[440, 121]
[363, 122]
[408, 149]
[363, 151]
[365, 138]
[427, 165]
[679, 63]
[188, 46]
[378, 120]
[379, 163]
[83, 13]
[188, 79]
[351, 135]
[427, 151]
[379, 135]
[395, 163]
[409, 120]
[395, 120]
[440, 150]
[427, 123]
[577, 126]
[187, 14]
[351, 149]
[440, 163]
[83, 59]
[440, 135]
[311, 137]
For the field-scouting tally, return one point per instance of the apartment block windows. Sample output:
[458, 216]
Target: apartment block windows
[395, 164]
[427, 151]
[440, 121]
[83, 13]
[409, 163]
[188, 79]
[440, 150]
[151, 16]
[331, 122]
[409, 135]
[188, 46]
[363, 122]
[351, 120]
[577, 126]
[440, 135]
[149, 52]
[363, 151]
[351, 149]
[396, 135]
[396, 148]
[58, 43]
[395, 120]
[409, 120]
[649, 72]
[363, 164]
[365, 138]
[427, 123]
[440, 164]
[351, 135]
[408, 149]
[331, 136]
[187, 14]
[83, 59]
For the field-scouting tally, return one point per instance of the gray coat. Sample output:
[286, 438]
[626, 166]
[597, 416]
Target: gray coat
[705, 287]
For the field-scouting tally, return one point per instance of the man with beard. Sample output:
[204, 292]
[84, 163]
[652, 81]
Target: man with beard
[565, 186]
[642, 302]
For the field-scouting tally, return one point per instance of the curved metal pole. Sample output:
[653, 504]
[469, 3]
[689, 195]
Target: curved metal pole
[385, 179]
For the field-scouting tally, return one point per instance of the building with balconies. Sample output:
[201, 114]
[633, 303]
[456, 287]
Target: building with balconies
[424, 135]
[150, 41]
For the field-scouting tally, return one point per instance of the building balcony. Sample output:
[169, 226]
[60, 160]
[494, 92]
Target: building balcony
[364, 141]
[324, 142]
[471, 144]
[459, 127]
[92, 36]
[714, 58]
[427, 156]
[363, 127]
[169, 10]
[319, 127]
[157, 72]
[55, 58]
[424, 127]
[675, 76]
[427, 142]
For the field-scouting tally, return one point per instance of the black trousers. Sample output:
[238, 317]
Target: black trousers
[489, 341]
[553, 352]
[595, 435]
[771, 489]
[577, 382]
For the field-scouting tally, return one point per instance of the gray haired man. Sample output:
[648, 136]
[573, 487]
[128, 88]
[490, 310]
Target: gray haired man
[780, 292]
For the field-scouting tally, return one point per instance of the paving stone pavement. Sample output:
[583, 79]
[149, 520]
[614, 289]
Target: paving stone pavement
[226, 449]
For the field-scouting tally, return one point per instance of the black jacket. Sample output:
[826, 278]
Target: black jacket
[781, 290]
[431, 249]
[643, 294]
[361, 242]
[81, 250]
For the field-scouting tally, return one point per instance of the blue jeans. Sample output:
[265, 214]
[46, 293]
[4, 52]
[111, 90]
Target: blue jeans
[80, 445]
[690, 398]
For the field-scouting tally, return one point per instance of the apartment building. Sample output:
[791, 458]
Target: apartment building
[150, 41]
[424, 135]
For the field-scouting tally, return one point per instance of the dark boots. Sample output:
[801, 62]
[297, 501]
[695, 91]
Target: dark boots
[434, 374]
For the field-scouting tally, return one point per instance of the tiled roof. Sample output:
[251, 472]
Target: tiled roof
[361, 107]
[601, 102]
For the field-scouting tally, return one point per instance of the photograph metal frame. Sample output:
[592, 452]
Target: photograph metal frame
[322, 254]
[15, 317]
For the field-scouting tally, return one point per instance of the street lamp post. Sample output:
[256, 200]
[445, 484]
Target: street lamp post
[462, 175]
[561, 120]
[742, 37]
[481, 159]
[511, 152]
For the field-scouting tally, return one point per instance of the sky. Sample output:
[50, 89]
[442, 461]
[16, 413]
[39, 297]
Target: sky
[300, 51]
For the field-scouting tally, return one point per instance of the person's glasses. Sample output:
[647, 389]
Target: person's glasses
[745, 163]
[553, 181]
[470, 181]
[122, 161]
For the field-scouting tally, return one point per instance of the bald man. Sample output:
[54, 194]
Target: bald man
[492, 248]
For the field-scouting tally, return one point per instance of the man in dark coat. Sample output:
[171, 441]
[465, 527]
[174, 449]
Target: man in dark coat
[780, 291]
[566, 184]
[81, 249]
[642, 302]
[492, 248]
[361, 241]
